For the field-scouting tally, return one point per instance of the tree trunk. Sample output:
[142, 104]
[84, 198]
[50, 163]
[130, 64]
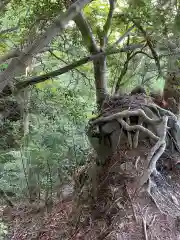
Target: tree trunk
[99, 64]
[100, 80]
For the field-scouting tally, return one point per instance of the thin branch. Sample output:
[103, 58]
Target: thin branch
[42, 78]
[123, 36]
[125, 67]
[9, 30]
[58, 72]
[141, 52]
[108, 22]
[82, 73]
[150, 45]
[123, 72]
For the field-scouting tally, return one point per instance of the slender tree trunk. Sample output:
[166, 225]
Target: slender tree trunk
[98, 64]
[100, 80]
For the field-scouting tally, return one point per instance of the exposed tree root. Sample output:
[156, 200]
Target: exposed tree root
[129, 134]
[137, 127]
[160, 146]
[136, 136]
[126, 114]
[155, 154]
[162, 111]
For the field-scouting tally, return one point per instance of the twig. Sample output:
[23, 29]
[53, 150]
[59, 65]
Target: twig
[124, 36]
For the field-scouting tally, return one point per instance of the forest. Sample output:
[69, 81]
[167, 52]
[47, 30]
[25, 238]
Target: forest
[89, 119]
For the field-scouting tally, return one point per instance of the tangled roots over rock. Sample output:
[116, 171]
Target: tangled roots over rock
[128, 126]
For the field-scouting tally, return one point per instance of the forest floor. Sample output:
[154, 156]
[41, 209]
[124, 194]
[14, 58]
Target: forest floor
[117, 217]
[115, 209]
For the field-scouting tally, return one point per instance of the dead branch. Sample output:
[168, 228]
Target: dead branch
[137, 127]
[127, 113]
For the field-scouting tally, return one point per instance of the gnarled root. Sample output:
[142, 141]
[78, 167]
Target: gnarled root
[160, 146]
[155, 153]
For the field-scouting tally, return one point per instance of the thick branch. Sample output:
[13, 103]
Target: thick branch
[86, 33]
[99, 64]
[28, 53]
[107, 24]
[44, 77]
[11, 54]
